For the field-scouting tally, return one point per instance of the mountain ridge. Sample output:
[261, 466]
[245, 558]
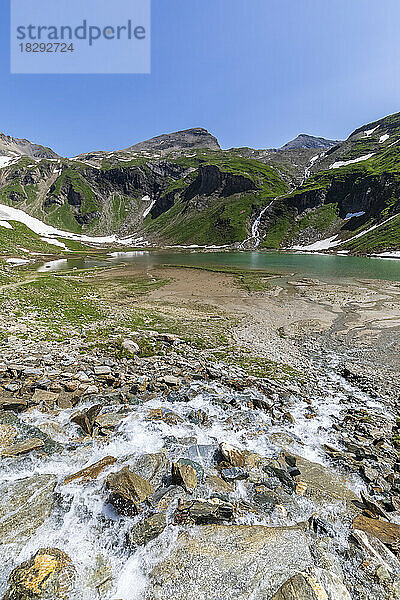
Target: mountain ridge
[182, 188]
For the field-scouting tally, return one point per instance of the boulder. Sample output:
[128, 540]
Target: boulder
[314, 585]
[48, 575]
[162, 414]
[143, 532]
[16, 404]
[85, 419]
[130, 346]
[388, 533]
[24, 506]
[127, 491]
[239, 458]
[229, 561]
[153, 467]
[91, 472]
[203, 512]
[184, 475]
[300, 587]
[22, 447]
[45, 398]
[323, 485]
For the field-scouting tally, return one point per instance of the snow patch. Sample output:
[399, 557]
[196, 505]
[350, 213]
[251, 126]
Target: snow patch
[8, 213]
[6, 161]
[54, 242]
[370, 131]
[321, 245]
[343, 163]
[17, 261]
[383, 138]
[148, 209]
[6, 224]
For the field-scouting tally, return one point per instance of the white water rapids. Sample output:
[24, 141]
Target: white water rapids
[90, 531]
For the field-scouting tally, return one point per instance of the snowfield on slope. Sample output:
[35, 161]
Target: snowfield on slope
[343, 163]
[8, 213]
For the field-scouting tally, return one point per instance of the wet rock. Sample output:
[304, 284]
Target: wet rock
[203, 512]
[325, 486]
[236, 561]
[10, 423]
[216, 484]
[300, 587]
[22, 447]
[24, 506]
[107, 422]
[16, 404]
[48, 575]
[169, 380]
[388, 533]
[45, 398]
[234, 474]
[143, 532]
[166, 497]
[373, 507]
[184, 475]
[85, 419]
[198, 417]
[127, 491]
[308, 586]
[153, 467]
[239, 458]
[377, 551]
[91, 472]
[162, 414]
[203, 453]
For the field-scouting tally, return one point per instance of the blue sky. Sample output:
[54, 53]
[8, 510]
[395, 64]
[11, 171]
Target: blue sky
[253, 72]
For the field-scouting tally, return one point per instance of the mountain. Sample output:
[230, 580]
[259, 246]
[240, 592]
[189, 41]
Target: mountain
[309, 141]
[182, 188]
[12, 147]
[180, 140]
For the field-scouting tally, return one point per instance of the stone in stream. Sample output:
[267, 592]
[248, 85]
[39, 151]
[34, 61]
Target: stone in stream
[153, 467]
[203, 512]
[91, 472]
[316, 585]
[48, 575]
[376, 550]
[10, 423]
[143, 532]
[184, 475]
[162, 414]
[16, 404]
[49, 399]
[323, 485]
[229, 561]
[24, 447]
[388, 533]
[24, 506]
[85, 419]
[239, 458]
[127, 491]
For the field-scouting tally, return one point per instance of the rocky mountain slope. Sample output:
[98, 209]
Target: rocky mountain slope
[182, 188]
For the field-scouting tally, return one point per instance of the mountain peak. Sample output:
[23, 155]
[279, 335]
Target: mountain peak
[303, 140]
[179, 140]
[21, 147]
